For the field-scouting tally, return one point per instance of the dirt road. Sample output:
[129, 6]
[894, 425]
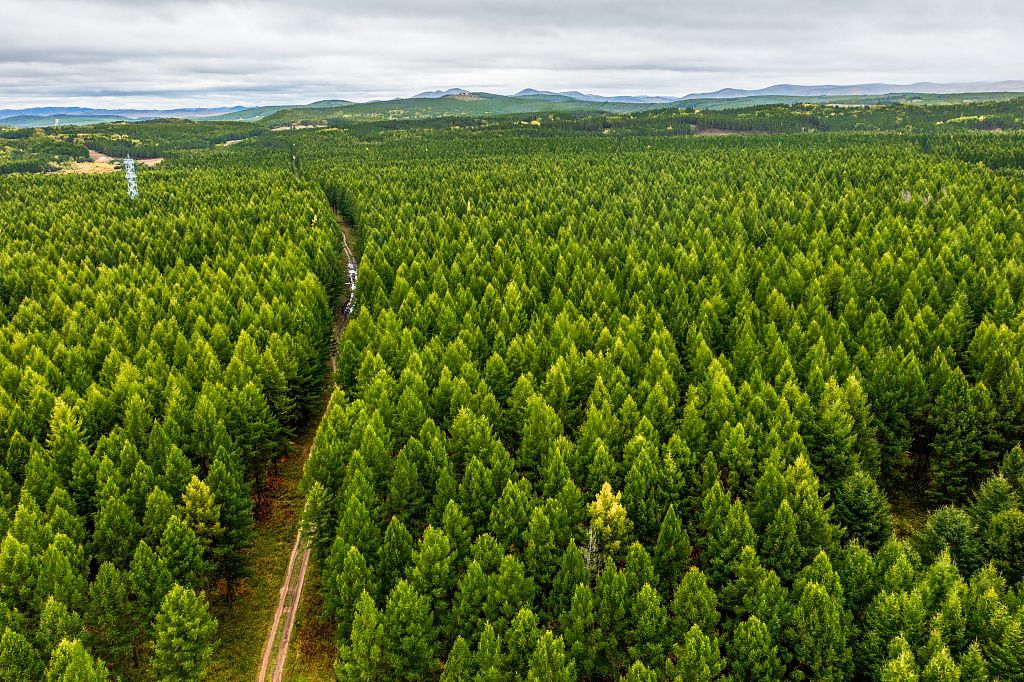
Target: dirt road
[275, 650]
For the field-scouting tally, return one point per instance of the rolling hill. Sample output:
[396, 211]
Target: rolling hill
[455, 102]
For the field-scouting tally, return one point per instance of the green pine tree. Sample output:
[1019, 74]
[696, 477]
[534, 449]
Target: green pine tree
[671, 552]
[362, 659]
[70, 662]
[184, 636]
[696, 658]
[460, 664]
[408, 652]
[863, 510]
[753, 655]
[548, 663]
[231, 494]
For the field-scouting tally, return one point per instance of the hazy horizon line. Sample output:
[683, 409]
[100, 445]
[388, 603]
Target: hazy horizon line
[150, 100]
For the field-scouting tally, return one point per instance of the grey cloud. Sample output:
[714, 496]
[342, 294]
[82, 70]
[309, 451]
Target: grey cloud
[181, 52]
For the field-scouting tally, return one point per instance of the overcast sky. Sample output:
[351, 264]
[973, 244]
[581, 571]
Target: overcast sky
[196, 52]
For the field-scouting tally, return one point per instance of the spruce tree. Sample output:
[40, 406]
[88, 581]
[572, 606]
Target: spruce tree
[951, 528]
[540, 554]
[202, 514]
[973, 667]
[1004, 543]
[638, 570]
[408, 652]
[638, 672]
[609, 521]
[470, 598]
[511, 589]
[1012, 469]
[521, 640]
[182, 553]
[581, 635]
[694, 603]
[671, 552]
[696, 658]
[231, 494]
[108, 616]
[646, 637]
[993, 496]
[19, 661]
[71, 662]
[459, 531]
[362, 658]
[460, 666]
[958, 447]
[184, 636]
[432, 574]
[548, 663]
[831, 437]
[726, 542]
[780, 543]
[116, 533]
[900, 666]
[149, 580]
[611, 609]
[489, 657]
[572, 571]
[394, 555]
[817, 635]
[752, 653]
[863, 510]
[159, 510]
[346, 577]
[941, 668]
[56, 623]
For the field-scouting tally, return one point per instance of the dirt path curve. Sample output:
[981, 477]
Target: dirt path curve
[280, 635]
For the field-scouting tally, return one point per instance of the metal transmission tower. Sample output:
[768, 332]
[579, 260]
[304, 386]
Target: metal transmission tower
[129, 174]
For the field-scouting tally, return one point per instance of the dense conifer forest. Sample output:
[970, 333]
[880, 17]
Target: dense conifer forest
[635, 409]
[613, 403]
[155, 356]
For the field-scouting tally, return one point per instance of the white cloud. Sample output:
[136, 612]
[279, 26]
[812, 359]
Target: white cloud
[185, 52]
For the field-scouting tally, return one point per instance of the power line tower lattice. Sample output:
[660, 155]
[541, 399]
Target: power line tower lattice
[129, 174]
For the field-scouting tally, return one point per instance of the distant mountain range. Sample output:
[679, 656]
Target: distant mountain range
[38, 117]
[462, 102]
[437, 94]
[785, 90]
[582, 97]
[781, 90]
[121, 113]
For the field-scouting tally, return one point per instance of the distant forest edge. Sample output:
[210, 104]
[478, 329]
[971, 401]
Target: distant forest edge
[458, 102]
[51, 148]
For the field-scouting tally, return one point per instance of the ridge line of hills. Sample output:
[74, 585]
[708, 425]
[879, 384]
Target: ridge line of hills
[462, 102]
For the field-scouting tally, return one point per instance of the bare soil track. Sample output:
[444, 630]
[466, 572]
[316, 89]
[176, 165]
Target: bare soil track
[102, 163]
[275, 650]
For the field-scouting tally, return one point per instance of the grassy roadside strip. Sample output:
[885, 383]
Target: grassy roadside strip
[242, 626]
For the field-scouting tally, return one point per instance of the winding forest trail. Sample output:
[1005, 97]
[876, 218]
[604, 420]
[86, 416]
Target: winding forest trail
[279, 636]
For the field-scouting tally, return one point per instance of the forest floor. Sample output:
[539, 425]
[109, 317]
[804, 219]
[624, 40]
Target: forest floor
[909, 508]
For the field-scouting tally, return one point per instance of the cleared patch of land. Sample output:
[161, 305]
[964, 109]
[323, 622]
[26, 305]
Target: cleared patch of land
[102, 163]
